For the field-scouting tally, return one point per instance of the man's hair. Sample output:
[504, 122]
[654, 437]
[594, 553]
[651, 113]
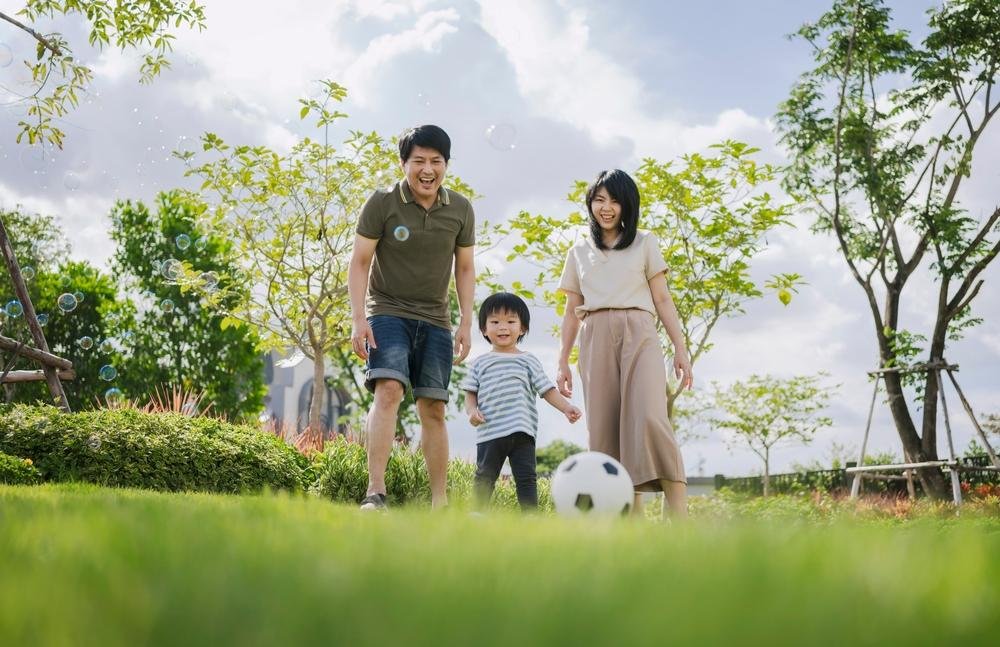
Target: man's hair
[504, 302]
[623, 190]
[426, 136]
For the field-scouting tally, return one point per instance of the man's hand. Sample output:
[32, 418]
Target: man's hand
[463, 342]
[362, 338]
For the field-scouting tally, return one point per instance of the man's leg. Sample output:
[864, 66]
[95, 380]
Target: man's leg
[434, 442]
[381, 430]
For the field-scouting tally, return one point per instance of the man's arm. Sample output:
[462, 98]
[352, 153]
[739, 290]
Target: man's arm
[357, 287]
[465, 285]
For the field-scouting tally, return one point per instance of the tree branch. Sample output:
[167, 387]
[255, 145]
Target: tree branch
[41, 39]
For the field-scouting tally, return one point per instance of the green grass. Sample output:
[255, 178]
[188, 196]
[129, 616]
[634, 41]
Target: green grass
[82, 565]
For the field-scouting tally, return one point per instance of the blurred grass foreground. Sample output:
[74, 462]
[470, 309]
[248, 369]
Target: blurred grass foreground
[85, 565]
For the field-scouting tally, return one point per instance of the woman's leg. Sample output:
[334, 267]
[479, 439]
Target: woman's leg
[674, 499]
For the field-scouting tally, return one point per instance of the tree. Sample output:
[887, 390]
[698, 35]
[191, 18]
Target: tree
[547, 458]
[292, 218]
[42, 252]
[712, 216]
[129, 25]
[763, 412]
[178, 338]
[881, 135]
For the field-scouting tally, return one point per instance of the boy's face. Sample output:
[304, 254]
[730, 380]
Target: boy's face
[424, 172]
[503, 329]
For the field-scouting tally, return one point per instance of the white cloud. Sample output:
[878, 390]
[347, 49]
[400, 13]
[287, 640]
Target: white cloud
[563, 76]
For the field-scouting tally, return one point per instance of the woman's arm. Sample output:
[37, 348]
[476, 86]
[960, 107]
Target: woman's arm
[667, 312]
[570, 326]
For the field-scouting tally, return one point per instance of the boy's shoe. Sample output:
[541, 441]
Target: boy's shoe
[374, 502]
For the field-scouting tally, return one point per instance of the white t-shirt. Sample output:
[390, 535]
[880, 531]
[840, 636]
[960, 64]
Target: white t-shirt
[507, 385]
[613, 278]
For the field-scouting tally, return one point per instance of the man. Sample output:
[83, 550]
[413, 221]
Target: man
[407, 240]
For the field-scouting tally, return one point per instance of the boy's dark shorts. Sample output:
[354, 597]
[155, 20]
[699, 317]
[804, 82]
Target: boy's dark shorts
[413, 352]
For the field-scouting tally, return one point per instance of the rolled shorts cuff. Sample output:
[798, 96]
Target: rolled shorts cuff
[430, 393]
[373, 374]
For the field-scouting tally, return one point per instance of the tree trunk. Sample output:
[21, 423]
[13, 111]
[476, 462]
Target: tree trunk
[318, 391]
[931, 478]
[767, 472]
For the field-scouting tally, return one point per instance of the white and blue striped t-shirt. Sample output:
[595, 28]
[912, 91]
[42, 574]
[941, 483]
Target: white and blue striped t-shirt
[506, 385]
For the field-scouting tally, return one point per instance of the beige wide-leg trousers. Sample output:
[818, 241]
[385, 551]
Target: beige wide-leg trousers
[624, 392]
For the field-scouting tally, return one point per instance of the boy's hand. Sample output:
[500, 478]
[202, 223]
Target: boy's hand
[573, 413]
[476, 417]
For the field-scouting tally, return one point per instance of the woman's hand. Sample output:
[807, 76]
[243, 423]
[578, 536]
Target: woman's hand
[564, 380]
[682, 370]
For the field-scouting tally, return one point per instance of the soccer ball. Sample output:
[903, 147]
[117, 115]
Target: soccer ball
[591, 483]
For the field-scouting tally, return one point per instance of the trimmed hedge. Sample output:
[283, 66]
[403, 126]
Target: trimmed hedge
[18, 471]
[128, 448]
[341, 474]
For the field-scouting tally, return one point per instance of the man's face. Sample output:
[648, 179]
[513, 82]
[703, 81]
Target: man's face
[424, 172]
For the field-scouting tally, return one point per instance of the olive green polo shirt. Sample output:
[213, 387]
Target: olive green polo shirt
[415, 253]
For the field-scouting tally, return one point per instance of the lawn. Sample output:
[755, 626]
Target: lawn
[82, 565]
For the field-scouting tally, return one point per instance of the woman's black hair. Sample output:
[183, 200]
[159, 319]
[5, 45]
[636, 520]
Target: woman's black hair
[623, 190]
[426, 136]
[504, 302]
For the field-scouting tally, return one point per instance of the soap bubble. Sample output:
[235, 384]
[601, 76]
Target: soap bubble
[14, 308]
[183, 241]
[108, 372]
[502, 137]
[85, 342]
[67, 302]
[167, 305]
[401, 233]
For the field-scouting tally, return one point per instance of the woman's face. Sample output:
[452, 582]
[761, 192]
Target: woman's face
[606, 211]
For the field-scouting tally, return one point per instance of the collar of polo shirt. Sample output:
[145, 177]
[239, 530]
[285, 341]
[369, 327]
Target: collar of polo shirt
[407, 195]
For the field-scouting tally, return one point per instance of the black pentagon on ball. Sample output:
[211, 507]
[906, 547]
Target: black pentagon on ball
[584, 502]
[610, 469]
[570, 466]
[625, 510]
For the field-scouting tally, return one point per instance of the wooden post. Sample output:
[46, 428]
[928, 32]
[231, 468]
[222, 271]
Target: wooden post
[975, 423]
[21, 291]
[856, 485]
[956, 483]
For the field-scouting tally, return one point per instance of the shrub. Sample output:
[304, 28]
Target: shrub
[341, 474]
[18, 471]
[129, 448]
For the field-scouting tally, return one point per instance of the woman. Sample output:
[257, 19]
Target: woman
[615, 288]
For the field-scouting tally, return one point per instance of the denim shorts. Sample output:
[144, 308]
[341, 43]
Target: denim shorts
[415, 353]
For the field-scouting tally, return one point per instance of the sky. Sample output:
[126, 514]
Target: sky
[535, 95]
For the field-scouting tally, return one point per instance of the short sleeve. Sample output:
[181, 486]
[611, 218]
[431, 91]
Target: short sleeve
[653, 257]
[471, 380]
[372, 221]
[467, 234]
[539, 380]
[570, 279]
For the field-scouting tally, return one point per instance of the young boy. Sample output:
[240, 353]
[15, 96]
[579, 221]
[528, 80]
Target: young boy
[500, 390]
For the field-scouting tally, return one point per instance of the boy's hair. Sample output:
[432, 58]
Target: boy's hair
[426, 136]
[504, 302]
[623, 190]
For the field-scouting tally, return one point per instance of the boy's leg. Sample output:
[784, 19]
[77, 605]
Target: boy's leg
[522, 464]
[490, 456]
[434, 443]
[430, 368]
[387, 377]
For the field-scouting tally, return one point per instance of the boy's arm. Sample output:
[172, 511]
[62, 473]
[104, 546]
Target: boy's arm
[472, 408]
[553, 397]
